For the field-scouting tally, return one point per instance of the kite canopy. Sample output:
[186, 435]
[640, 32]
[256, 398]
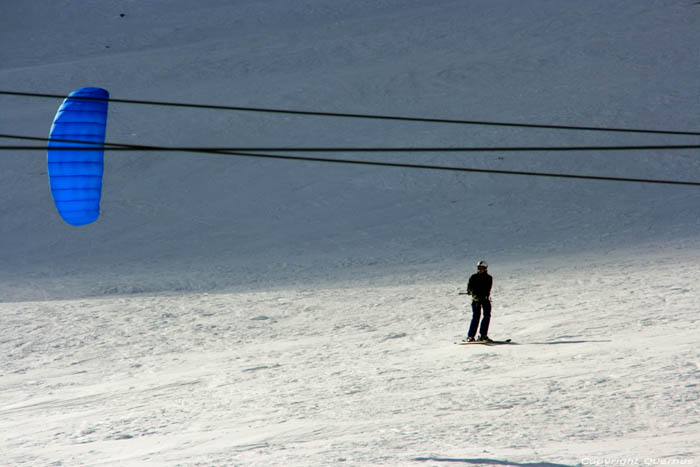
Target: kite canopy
[75, 176]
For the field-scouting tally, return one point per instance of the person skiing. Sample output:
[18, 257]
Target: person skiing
[479, 288]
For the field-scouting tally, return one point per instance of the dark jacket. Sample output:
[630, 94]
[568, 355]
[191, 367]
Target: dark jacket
[480, 286]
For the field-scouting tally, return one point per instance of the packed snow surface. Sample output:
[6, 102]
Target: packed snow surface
[240, 311]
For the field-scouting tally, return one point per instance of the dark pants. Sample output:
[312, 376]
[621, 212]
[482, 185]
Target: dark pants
[476, 316]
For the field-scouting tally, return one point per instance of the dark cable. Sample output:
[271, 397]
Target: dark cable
[129, 147]
[366, 149]
[389, 164]
[360, 116]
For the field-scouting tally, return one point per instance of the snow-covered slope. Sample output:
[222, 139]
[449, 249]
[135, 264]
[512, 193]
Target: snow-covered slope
[326, 332]
[605, 369]
[178, 221]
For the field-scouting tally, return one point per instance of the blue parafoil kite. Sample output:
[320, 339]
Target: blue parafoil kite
[75, 176]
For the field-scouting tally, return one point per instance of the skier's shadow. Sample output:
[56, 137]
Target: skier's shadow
[568, 342]
[489, 462]
[493, 344]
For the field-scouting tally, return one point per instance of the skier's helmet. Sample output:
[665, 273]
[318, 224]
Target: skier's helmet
[482, 264]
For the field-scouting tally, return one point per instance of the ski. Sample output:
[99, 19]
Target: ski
[464, 342]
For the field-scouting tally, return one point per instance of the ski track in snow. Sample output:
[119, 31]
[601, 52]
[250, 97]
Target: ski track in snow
[368, 375]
